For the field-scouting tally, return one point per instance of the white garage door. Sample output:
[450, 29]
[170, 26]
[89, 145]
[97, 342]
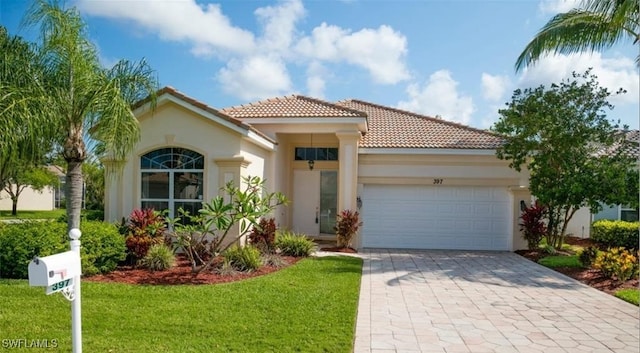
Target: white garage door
[435, 217]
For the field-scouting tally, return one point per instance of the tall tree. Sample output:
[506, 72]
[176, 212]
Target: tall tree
[595, 25]
[24, 175]
[564, 138]
[77, 98]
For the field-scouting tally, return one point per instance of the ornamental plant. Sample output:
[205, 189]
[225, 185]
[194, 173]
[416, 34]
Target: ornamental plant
[532, 224]
[347, 225]
[263, 235]
[145, 228]
[617, 263]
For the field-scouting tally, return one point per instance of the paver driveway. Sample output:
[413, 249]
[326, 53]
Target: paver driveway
[456, 301]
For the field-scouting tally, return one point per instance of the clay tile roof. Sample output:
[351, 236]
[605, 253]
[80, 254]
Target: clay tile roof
[294, 106]
[628, 144]
[395, 128]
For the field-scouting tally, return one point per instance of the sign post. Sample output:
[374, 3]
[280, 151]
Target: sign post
[76, 317]
[61, 273]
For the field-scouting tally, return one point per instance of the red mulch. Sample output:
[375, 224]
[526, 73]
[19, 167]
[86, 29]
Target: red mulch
[340, 249]
[590, 277]
[181, 273]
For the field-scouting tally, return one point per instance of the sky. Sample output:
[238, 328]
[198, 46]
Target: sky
[448, 58]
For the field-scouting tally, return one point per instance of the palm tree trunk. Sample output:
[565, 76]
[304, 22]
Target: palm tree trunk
[73, 193]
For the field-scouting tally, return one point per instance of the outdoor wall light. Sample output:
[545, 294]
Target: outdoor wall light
[311, 163]
[359, 202]
[523, 206]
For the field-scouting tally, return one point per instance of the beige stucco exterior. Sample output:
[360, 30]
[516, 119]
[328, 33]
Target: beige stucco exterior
[233, 151]
[30, 200]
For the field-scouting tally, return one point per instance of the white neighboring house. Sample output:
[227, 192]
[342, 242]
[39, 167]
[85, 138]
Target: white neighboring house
[32, 200]
[419, 182]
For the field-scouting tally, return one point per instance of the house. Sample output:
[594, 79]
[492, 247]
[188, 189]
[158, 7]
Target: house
[419, 182]
[30, 199]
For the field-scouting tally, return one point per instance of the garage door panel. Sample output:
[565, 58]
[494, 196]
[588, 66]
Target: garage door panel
[428, 217]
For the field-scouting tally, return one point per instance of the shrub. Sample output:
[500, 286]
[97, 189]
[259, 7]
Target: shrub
[159, 258]
[588, 255]
[549, 249]
[243, 258]
[347, 225]
[21, 242]
[274, 260]
[617, 263]
[292, 244]
[264, 235]
[532, 224]
[102, 246]
[146, 227]
[226, 269]
[616, 233]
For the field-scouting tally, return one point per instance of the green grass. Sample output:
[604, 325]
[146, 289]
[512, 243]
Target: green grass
[631, 295]
[308, 307]
[33, 214]
[560, 261]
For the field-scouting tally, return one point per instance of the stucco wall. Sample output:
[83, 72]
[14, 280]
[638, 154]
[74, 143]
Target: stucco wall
[30, 200]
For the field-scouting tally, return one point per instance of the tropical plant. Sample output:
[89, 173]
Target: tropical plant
[145, 228]
[347, 225]
[224, 220]
[73, 97]
[595, 25]
[558, 134]
[532, 225]
[159, 258]
[617, 263]
[588, 255]
[243, 258]
[291, 244]
[264, 234]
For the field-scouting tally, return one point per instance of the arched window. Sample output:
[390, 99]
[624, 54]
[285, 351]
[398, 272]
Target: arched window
[171, 178]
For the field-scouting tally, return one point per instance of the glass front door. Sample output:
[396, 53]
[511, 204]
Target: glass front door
[328, 201]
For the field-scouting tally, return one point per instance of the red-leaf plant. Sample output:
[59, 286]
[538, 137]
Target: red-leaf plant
[145, 228]
[533, 225]
[347, 225]
[263, 235]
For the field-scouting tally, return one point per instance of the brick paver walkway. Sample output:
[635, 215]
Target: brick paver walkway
[456, 301]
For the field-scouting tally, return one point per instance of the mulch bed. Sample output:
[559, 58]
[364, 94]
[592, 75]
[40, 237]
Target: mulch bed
[590, 277]
[181, 273]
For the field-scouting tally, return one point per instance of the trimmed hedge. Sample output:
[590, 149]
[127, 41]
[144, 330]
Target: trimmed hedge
[102, 246]
[616, 233]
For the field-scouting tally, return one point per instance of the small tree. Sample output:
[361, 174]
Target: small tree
[23, 175]
[575, 155]
[224, 220]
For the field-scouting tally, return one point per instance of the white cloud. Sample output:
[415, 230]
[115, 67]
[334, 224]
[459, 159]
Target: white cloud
[494, 86]
[381, 51]
[439, 96]
[557, 6]
[205, 27]
[255, 77]
[316, 82]
[613, 73]
[279, 24]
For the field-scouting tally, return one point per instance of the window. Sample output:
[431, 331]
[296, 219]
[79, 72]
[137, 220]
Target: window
[172, 178]
[316, 154]
[628, 214]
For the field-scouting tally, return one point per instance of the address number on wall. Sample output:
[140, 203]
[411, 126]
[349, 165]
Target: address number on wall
[437, 181]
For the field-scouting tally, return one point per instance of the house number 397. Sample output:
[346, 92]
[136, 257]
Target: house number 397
[437, 181]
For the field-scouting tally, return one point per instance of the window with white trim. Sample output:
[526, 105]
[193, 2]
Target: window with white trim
[172, 178]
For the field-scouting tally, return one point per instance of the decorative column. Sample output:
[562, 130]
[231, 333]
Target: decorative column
[348, 169]
[519, 195]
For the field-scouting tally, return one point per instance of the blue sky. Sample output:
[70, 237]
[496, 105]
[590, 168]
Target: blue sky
[449, 58]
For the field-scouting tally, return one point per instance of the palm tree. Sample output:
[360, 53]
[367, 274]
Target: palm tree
[596, 25]
[77, 99]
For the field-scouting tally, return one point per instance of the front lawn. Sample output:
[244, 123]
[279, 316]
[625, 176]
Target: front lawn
[54, 214]
[308, 307]
[556, 261]
[631, 295]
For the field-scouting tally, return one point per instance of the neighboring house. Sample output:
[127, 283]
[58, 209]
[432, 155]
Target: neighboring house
[419, 182]
[33, 200]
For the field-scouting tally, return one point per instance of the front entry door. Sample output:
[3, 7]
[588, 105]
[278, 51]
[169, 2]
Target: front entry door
[315, 201]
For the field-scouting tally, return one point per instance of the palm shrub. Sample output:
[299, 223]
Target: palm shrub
[617, 263]
[243, 258]
[532, 225]
[347, 225]
[159, 258]
[292, 244]
[145, 228]
[263, 235]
